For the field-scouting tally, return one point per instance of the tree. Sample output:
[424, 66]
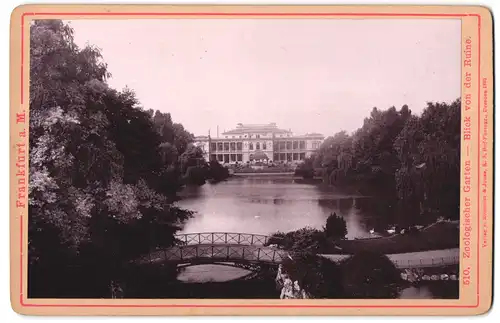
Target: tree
[173, 133]
[428, 148]
[182, 138]
[192, 156]
[169, 153]
[370, 275]
[97, 195]
[335, 227]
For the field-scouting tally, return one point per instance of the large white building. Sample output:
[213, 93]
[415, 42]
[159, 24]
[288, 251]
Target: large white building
[248, 142]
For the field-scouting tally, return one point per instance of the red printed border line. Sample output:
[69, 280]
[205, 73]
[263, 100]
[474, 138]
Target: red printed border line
[257, 14]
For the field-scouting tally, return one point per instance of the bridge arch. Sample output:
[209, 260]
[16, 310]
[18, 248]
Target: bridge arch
[185, 255]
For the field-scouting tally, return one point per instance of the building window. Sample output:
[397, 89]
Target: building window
[232, 146]
[282, 156]
[302, 156]
[257, 146]
[282, 145]
[295, 145]
[240, 157]
[226, 158]
[220, 157]
[250, 146]
[276, 157]
[302, 144]
[226, 146]
[288, 145]
[213, 157]
[289, 156]
[245, 136]
[258, 136]
[239, 146]
[213, 146]
[240, 136]
[264, 147]
[220, 146]
[226, 136]
[295, 156]
[233, 157]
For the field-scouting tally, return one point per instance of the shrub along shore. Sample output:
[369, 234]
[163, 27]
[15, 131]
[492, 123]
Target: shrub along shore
[438, 236]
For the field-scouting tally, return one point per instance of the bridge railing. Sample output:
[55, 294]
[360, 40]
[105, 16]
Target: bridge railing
[239, 253]
[223, 238]
[423, 262]
[426, 262]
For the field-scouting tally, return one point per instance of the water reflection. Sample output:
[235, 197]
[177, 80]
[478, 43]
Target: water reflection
[416, 293]
[436, 290]
[264, 206]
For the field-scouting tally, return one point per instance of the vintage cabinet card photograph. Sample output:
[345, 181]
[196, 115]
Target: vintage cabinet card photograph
[251, 160]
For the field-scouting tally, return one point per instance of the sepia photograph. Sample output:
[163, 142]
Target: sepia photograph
[244, 158]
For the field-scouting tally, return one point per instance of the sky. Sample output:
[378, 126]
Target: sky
[307, 75]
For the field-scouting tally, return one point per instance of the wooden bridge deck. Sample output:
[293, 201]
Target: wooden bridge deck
[211, 253]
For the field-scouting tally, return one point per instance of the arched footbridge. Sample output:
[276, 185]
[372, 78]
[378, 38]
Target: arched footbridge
[253, 249]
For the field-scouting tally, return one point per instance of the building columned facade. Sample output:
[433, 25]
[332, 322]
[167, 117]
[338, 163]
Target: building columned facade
[259, 142]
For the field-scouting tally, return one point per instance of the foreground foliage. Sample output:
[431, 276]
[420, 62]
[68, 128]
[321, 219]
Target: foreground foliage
[101, 184]
[361, 276]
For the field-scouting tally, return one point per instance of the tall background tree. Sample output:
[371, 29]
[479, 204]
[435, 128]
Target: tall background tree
[428, 149]
[409, 163]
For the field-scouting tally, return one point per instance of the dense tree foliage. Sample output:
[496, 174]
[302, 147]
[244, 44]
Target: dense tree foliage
[428, 149]
[100, 184]
[410, 163]
[170, 132]
[191, 157]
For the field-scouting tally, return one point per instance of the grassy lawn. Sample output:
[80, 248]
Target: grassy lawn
[441, 235]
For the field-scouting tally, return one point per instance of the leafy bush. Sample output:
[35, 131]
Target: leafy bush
[370, 275]
[217, 172]
[302, 240]
[304, 171]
